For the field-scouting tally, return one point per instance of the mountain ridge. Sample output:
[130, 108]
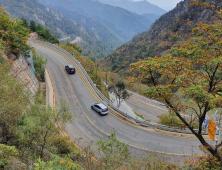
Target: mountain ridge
[140, 7]
[158, 39]
[122, 22]
[58, 24]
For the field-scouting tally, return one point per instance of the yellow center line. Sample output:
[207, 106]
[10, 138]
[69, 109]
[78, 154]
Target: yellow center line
[74, 92]
[116, 116]
[149, 104]
[161, 133]
[76, 100]
[144, 117]
[142, 107]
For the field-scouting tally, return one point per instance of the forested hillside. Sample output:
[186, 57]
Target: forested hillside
[26, 124]
[168, 31]
[58, 25]
[144, 8]
[30, 137]
[116, 20]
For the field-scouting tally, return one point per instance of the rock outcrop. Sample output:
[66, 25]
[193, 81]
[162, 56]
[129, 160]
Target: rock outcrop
[34, 36]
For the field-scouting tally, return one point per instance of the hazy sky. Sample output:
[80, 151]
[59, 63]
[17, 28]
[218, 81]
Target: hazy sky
[164, 4]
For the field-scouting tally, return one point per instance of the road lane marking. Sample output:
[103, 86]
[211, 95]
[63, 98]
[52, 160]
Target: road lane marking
[161, 133]
[144, 117]
[149, 104]
[123, 120]
[119, 118]
[73, 91]
[142, 107]
[54, 104]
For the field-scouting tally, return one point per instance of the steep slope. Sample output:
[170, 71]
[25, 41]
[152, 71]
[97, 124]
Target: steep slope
[122, 22]
[58, 24]
[166, 32]
[100, 30]
[140, 7]
[152, 17]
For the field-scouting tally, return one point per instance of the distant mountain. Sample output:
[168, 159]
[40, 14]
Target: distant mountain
[152, 17]
[140, 7]
[101, 18]
[58, 24]
[158, 39]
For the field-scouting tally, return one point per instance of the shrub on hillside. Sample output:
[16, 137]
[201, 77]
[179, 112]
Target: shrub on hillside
[39, 65]
[13, 34]
[170, 120]
[204, 162]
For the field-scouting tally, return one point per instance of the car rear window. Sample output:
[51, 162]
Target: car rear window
[106, 109]
[70, 66]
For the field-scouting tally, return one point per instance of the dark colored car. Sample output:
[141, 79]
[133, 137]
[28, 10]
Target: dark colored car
[100, 108]
[70, 69]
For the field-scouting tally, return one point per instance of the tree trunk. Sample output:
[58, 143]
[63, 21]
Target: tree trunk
[213, 151]
[5, 133]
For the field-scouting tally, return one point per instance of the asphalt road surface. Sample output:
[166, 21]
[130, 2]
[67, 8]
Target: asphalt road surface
[147, 108]
[89, 126]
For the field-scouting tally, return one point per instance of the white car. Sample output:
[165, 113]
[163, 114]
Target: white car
[100, 108]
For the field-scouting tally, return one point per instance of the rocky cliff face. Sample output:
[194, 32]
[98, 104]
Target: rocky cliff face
[21, 70]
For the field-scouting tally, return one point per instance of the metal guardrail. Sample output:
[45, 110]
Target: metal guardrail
[136, 119]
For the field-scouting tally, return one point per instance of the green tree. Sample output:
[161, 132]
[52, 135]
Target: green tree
[7, 154]
[114, 153]
[25, 22]
[32, 26]
[1, 51]
[13, 103]
[42, 124]
[56, 163]
[74, 46]
[196, 71]
[119, 90]
[44, 33]
[13, 34]
[39, 65]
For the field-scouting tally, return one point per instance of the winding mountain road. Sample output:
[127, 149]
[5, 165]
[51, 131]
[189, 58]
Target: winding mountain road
[89, 126]
[146, 107]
